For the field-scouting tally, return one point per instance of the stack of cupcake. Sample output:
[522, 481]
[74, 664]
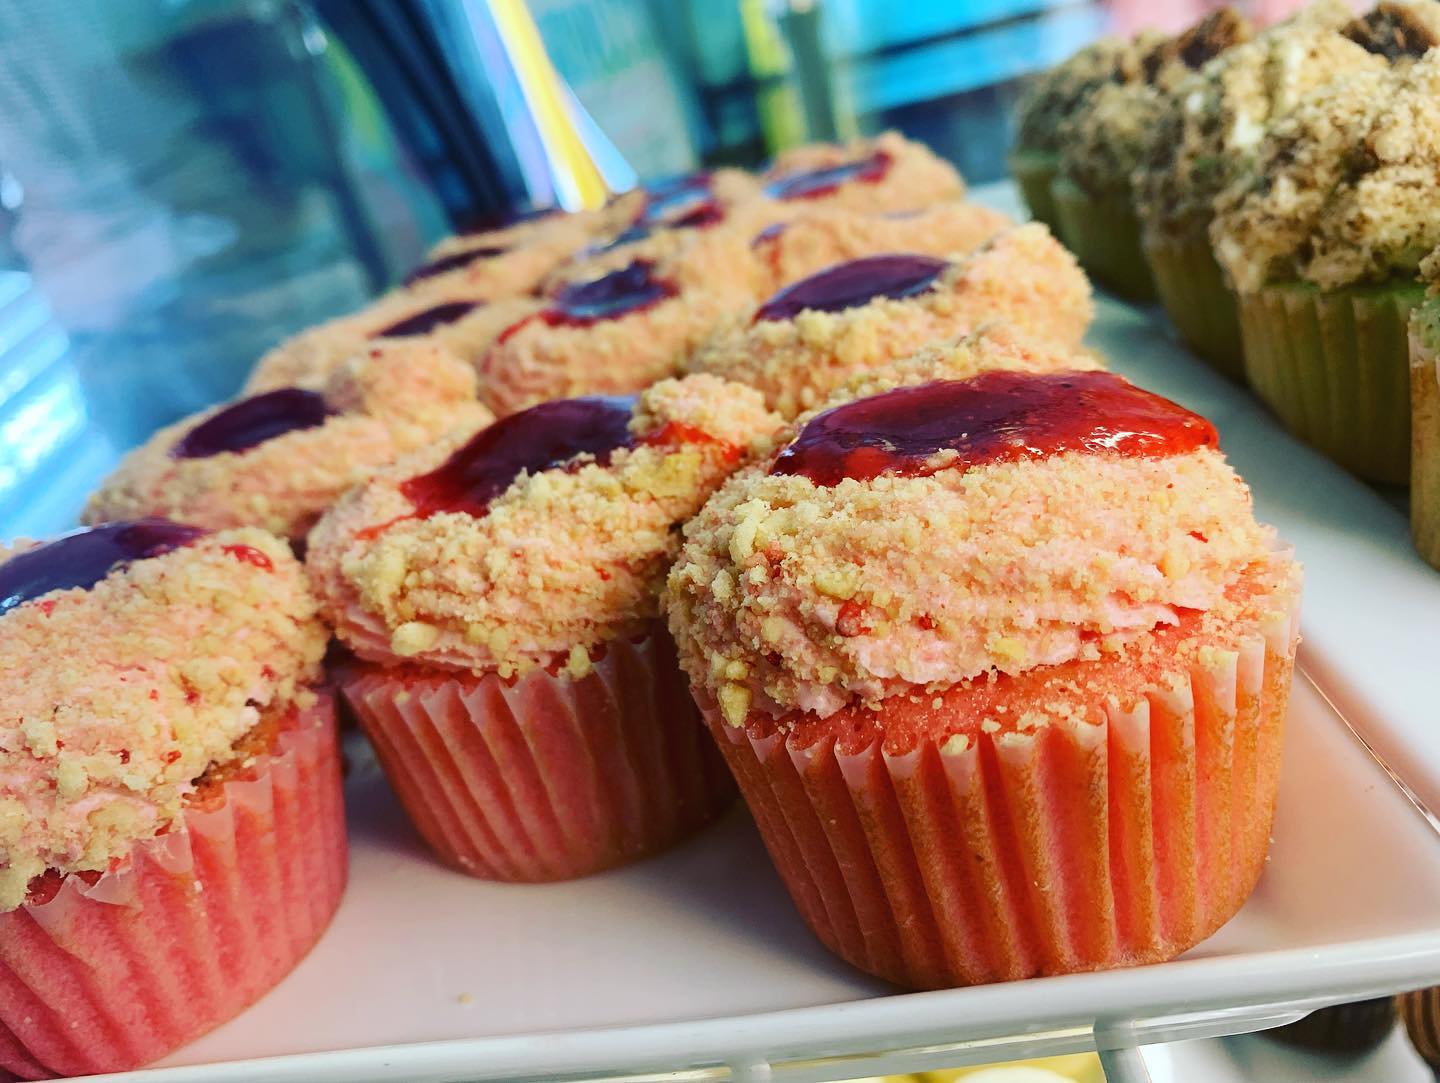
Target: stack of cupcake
[1285, 189]
[798, 481]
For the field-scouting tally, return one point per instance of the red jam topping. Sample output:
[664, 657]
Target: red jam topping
[250, 422]
[848, 285]
[83, 558]
[422, 323]
[814, 183]
[454, 262]
[619, 293]
[993, 417]
[540, 438]
[684, 201]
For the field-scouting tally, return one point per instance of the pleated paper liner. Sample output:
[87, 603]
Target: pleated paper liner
[546, 777]
[1034, 171]
[1334, 367]
[1340, 1028]
[1425, 449]
[1420, 1012]
[197, 924]
[1198, 300]
[1104, 235]
[1073, 847]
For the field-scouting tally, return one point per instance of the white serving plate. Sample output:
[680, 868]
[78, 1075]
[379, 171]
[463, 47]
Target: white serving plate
[694, 966]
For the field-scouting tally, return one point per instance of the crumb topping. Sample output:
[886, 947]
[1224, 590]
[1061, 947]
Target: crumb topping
[1208, 132]
[1346, 186]
[389, 400]
[118, 697]
[1023, 276]
[788, 596]
[563, 561]
[1063, 90]
[1401, 31]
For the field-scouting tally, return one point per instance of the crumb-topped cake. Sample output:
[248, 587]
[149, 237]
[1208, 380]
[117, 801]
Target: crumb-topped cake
[886, 173]
[813, 334]
[278, 459]
[512, 579]
[157, 673]
[815, 239]
[942, 596]
[448, 316]
[1323, 246]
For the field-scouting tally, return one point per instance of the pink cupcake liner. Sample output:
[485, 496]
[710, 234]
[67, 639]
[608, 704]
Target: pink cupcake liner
[1070, 848]
[546, 777]
[196, 926]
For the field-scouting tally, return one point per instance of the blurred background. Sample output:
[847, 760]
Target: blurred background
[183, 183]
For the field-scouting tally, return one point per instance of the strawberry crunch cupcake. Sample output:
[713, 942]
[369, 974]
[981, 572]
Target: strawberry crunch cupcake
[807, 339]
[623, 330]
[813, 240]
[454, 319]
[278, 459]
[876, 176]
[1000, 665]
[172, 837]
[501, 594]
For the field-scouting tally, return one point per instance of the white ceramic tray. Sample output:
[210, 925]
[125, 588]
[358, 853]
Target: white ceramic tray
[693, 966]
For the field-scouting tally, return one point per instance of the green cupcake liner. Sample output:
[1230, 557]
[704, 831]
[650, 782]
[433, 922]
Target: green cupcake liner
[1034, 171]
[1198, 300]
[1425, 451]
[1334, 367]
[1104, 234]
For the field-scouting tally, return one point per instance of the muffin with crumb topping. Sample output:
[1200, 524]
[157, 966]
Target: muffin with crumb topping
[279, 458]
[1424, 340]
[982, 650]
[1207, 136]
[1322, 244]
[172, 829]
[1057, 95]
[500, 592]
[809, 337]
[1103, 142]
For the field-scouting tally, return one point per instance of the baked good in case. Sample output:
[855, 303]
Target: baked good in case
[278, 459]
[886, 173]
[1323, 245]
[1000, 665]
[501, 595]
[172, 836]
[1103, 142]
[811, 336]
[1207, 136]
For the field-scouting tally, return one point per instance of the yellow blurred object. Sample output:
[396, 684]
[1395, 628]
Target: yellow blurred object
[541, 86]
[1075, 1068]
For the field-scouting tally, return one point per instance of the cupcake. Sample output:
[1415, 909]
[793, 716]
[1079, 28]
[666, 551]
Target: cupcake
[501, 595]
[1102, 144]
[458, 320]
[808, 338]
[622, 330]
[1057, 95]
[279, 458]
[1340, 1028]
[496, 264]
[886, 173]
[1420, 1012]
[172, 837]
[1323, 246]
[1424, 341]
[813, 240]
[1206, 137]
[1000, 665]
